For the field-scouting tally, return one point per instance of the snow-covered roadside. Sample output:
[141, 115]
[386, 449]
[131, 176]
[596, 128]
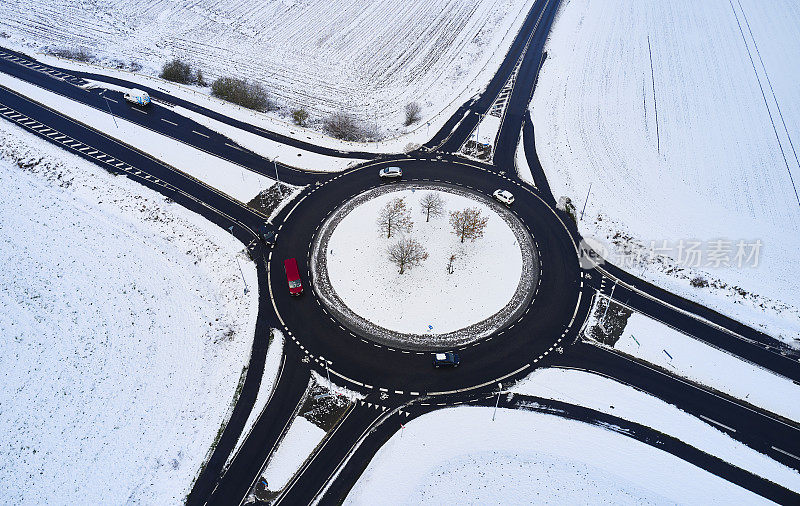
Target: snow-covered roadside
[127, 330]
[225, 176]
[284, 153]
[609, 396]
[460, 456]
[663, 346]
[394, 52]
[272, 370]
[712, 168]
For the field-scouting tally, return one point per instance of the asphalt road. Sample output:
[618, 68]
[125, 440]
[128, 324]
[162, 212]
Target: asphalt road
[389, 376]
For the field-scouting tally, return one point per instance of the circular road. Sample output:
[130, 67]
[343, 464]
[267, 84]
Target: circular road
[509, 352]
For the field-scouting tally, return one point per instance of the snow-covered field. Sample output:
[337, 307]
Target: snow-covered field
[609, 396]
[227, 177]
[719, 163]
[126, 329]
[424, 299]
[459, 456]
[364, 56]
[678, 353]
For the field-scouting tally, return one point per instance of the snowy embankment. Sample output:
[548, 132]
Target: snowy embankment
[460, 456]
[366, 57]
[614, 398]
[692, 150]
[126, 333]
[229, 178]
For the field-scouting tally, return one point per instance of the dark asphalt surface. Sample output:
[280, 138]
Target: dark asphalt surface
[379, 366]
[508, 355]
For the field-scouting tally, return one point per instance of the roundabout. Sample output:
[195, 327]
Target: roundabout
[543, 306]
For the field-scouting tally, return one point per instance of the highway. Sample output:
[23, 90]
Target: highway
[400, 383]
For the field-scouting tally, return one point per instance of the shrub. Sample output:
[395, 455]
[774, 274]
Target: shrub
[413, 111]
[177, 71]
[241, 92]
[699, 282]
[343, 126]
[80, 54]
[300, 116]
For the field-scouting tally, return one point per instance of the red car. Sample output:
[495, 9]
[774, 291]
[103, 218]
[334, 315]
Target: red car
[293, 277]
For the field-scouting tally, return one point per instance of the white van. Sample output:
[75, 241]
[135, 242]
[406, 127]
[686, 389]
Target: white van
[137, 97]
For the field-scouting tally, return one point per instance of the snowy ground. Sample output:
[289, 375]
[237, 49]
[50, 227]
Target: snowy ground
[459, 456]
[229, 178]
[609, 396]
[295, 447]
[424, 299]
[126, 332]
[367, 57]
[718, 164]
[658, 344]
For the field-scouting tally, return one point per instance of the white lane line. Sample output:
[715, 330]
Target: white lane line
[168, 121]
[198, 133]
[785, 452]
[137, 109]
[233, 146]
[111, 100]
[717, 423]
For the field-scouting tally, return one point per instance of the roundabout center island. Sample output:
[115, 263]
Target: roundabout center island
[424, 266]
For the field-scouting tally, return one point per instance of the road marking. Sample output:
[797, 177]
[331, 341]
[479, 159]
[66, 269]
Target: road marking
[110, 100]
[137, 109]
[168, 121]
[234, 146]
[198, 133]
[717, 423]
[785, 452]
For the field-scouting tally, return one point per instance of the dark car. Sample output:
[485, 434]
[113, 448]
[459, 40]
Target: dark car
[268, 234]
[445, 359]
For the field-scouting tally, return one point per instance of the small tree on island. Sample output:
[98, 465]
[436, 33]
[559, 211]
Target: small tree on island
[432, 205]
[395, 217]
[450, 268]
[406, 253]
[468, 224]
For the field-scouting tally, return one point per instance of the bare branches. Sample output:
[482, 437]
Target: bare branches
[406, 253]
[413, 111]
[395, 217]
[468, 224]
[432, 205]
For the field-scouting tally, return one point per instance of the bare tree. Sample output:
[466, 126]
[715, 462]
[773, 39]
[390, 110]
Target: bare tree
[432, 205]
[468, 224]
[344, 126]
[413, 111]
[450, 269]
[406, 253]
[395, 217]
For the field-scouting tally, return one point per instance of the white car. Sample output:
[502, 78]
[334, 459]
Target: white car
[504, 196]
[391, 172]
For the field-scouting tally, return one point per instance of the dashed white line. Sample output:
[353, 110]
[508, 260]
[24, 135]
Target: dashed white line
[198, 133]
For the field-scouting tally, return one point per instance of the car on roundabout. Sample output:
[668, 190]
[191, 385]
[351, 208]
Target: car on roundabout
[390, 173]
[504, 196]
[446, 359]
[268, 234]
